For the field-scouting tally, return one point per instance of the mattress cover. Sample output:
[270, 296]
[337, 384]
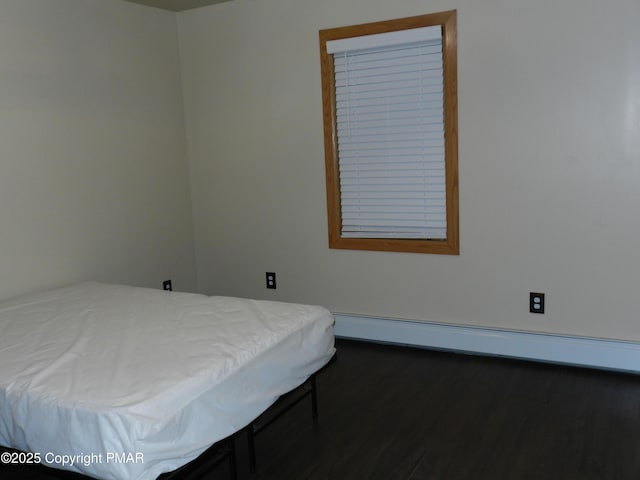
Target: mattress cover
[125, 383]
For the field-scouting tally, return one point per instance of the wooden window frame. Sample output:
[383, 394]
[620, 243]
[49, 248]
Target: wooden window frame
[449, 246]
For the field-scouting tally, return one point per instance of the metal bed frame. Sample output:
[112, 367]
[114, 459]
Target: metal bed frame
[225, 449]
[285, 403]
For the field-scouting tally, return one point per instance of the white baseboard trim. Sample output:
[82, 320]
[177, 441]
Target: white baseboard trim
[579, 351]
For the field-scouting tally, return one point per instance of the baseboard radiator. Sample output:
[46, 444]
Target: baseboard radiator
[568, 350]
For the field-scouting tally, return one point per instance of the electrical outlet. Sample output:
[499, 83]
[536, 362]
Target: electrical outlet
[271, 280]
[166, 285]
[536, 302]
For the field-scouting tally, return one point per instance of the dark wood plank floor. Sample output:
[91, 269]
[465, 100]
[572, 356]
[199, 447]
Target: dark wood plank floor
[398, 413]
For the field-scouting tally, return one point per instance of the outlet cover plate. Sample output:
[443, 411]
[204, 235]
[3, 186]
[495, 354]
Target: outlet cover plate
[271, 280]
[536, 302]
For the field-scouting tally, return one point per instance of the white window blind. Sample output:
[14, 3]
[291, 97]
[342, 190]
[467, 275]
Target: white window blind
[390, 129]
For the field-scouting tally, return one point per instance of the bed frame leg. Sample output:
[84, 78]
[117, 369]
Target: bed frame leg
[314, 398]
[252, 448]
[254, 427]
[233, 473]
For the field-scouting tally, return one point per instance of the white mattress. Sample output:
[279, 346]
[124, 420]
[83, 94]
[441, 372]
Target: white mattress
[132, 382]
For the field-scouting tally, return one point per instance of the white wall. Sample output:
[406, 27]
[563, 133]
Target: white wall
[549, 125]
[93, 170]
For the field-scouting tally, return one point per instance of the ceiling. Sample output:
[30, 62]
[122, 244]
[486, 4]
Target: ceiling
[177, 5]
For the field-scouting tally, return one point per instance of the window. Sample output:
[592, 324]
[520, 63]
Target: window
[389, 94]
